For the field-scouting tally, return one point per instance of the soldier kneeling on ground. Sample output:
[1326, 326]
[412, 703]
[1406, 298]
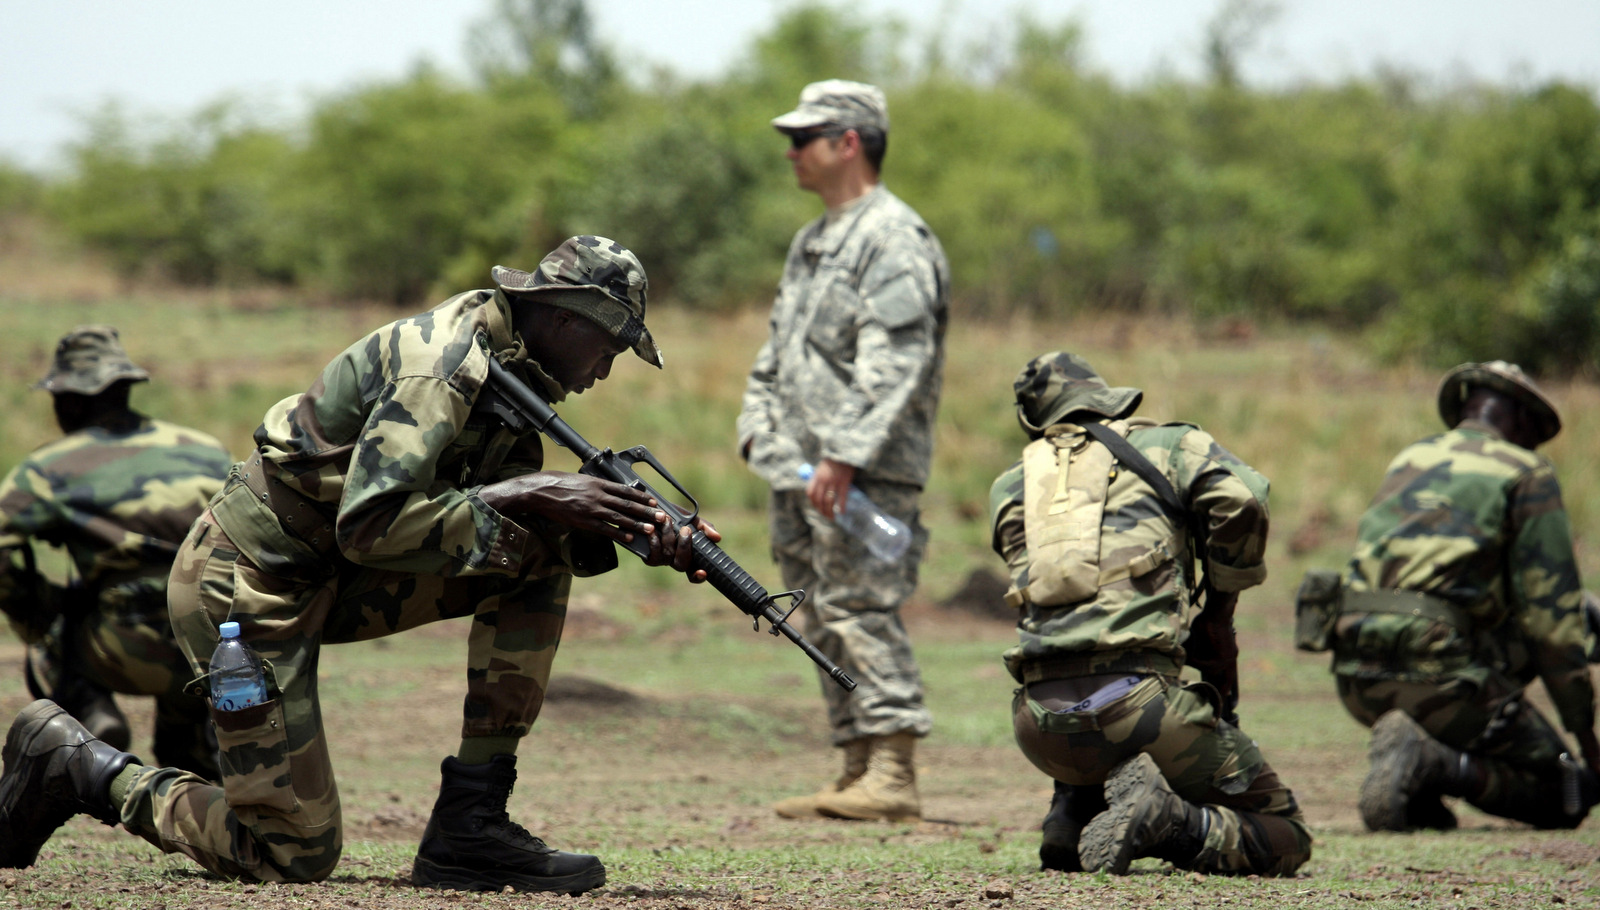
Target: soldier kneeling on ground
[388, 495]
[1462, 590]
[118, 491]
[1097, 523]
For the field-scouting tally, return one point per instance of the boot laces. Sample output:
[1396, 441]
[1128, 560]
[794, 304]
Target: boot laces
[499, 795]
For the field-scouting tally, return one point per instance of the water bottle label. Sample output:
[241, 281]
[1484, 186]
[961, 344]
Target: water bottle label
[238, 694]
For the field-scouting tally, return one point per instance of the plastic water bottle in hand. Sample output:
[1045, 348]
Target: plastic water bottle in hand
[237, 680]
[886, 536]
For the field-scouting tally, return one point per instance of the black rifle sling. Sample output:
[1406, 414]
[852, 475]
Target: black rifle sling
[1135, 461]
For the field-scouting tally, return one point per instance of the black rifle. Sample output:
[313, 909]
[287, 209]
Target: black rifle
[522, 410]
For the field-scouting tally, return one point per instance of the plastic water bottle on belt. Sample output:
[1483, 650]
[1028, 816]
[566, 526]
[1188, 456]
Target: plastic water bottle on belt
[237, 680]
[886, 536]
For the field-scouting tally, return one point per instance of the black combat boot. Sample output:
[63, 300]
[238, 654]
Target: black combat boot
[1409, 769]
[1070, 809]
[472, 845]
[53, 770]
[1144, 818]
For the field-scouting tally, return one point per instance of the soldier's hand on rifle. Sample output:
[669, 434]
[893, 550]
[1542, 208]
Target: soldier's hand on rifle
[672, 545]
[578, 501]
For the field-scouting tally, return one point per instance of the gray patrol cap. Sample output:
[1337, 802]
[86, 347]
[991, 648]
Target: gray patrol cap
[838, 103]
[88, 360]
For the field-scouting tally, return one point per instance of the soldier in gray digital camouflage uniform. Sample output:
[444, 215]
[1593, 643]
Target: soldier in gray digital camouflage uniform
[118, 491]
[1463, 589]
[1144, 763]
[849, 381]
[386, 496]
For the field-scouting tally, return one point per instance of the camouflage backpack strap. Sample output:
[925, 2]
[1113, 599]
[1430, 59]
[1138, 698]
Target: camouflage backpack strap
[1133, 459]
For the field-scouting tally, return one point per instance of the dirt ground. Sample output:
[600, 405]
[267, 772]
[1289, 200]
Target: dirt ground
[672, 790]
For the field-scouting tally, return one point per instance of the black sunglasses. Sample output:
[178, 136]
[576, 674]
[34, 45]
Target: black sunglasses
[798, 141]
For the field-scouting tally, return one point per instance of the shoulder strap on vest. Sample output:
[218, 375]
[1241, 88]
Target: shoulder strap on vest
[1140, 465]
[1130, 456]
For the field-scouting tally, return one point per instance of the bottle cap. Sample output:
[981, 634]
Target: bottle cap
[805, 471]
[229, 630]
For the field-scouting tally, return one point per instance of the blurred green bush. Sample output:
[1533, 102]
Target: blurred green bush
[1448, 223]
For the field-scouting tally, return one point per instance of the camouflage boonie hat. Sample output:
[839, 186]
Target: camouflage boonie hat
[1503, 377]
[88, 360]
[837, 103]
[590, 263]
[1055, 385]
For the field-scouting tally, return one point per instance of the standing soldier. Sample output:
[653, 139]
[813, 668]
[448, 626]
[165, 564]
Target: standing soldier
[1462, 590]
[849, 382]
[386, 496]
[118, 491]
[1100, 523]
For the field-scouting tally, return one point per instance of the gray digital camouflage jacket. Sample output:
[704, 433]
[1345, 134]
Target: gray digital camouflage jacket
[853, 365]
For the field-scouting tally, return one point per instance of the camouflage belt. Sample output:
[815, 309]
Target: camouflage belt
[300, 515]
[1406, 603]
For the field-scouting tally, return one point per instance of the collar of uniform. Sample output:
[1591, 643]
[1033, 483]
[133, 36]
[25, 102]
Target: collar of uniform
[503, 339]
[831, 234]
[549, 388]
[1478, 426]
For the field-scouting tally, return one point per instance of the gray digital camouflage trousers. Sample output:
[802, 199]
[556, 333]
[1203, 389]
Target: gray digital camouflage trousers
[852, 610]
[1254, 823]
[1518, 750]
[276, 816]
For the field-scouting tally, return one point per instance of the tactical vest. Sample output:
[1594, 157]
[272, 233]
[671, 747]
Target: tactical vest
[1066, 480]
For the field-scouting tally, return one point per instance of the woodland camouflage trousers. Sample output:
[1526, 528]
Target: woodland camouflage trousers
[1254, 824]
[276, 817]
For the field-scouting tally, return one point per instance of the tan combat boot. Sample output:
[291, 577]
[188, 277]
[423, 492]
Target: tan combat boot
[855, 765]
[887, 791]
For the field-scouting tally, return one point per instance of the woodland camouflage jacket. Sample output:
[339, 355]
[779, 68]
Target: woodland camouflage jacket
[853, 366]
[1478, 521]
[1140, 623]
[391, 444]
[119, 495]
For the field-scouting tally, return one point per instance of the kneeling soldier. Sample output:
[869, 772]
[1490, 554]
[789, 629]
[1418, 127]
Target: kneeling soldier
[1094, 523]
[1463, 589]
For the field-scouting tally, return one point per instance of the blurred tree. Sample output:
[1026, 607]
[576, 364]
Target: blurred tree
[192, 203]
[1458, 222]
[812, 41]
[397, 179]
[1236, 27]
[20, 191]
[548, 43]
